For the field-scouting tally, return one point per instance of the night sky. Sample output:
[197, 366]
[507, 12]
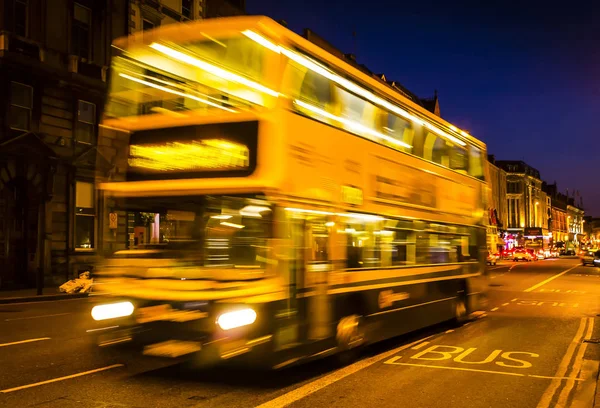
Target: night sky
[524, 77]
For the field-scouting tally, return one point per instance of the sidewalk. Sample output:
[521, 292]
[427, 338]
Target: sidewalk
[30, 295]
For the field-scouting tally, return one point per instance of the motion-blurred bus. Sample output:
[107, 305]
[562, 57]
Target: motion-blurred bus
[279, 205]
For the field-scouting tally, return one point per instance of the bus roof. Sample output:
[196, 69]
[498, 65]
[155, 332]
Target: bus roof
[191, 31]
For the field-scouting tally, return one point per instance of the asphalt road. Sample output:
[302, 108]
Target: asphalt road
[527, 350]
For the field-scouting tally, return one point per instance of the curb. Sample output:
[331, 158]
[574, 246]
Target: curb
[42, 298]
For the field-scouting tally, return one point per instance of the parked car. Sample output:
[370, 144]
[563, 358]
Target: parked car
[492, 259]
[522, 255]
[591, 257]
[540, 255]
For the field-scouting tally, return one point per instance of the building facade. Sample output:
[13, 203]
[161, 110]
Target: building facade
[497, 211]
[54, 58]
[526, 204]
[558, 214]
[53, 72]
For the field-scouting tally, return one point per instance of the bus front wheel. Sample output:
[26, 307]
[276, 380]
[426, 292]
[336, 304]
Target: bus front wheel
[350, 337]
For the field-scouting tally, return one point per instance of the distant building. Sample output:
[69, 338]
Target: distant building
[526, 203]
[497, 211]
[558, 214]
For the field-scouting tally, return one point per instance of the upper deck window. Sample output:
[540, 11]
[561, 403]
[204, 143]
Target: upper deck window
[225, 74]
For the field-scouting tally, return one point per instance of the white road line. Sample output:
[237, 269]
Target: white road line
[514, 300]
[97, 370]
[449, 331]
[564, 394]
[24, 341]
[563, 366]
[36, 317]
[312, 387]
[550, 279]
[505, 304]
[494, 309]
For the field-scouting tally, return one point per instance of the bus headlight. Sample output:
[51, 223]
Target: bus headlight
[237, 318]
[112, 310]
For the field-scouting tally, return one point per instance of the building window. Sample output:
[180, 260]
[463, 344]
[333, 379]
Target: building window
[85, 128]
[147, 25]
[81, 31]
[21, 12]
[186, 8]
[85, 216]
[21, 103]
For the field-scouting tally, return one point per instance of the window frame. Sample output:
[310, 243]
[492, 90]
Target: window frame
[25, 4]
[94, 124]
[92, 213]
[29, 108]
[190, 9]
[74, 23]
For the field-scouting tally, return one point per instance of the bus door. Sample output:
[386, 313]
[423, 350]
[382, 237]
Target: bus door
[309, 266]
[317, 267]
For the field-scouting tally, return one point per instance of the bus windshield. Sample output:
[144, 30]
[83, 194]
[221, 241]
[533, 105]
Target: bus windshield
[224, 232]
[209, 75]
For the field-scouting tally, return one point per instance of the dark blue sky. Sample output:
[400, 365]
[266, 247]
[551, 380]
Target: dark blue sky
[523, 76]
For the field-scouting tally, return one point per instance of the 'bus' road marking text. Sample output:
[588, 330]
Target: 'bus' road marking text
[460, 355]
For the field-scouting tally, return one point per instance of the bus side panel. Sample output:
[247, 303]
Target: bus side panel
[390, 312]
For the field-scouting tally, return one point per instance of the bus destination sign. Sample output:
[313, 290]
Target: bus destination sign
[190, 156]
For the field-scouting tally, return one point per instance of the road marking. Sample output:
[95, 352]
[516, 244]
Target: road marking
[67, 377]
[564, 395]
[448, 331]
[514, 300]
[505, 304]
[548, 377]
[494, 309]
[44, 301]
[420, 345]
[563, 366]
[36, 317]
[550, 279]
[24, 341]
[393, 361]
[314, 386]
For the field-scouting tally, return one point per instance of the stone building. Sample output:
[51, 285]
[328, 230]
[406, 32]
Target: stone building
[54, 58]
[526, 203]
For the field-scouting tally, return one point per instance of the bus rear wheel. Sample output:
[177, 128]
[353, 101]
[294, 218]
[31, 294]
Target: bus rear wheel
[350, 338]
[461, 314]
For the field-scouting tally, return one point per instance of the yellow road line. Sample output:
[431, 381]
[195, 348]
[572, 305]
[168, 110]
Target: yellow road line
[97, 370]
[564, 394]
[550, 279]
[563, 366]
[455, 368]
[24, 341]
[314, 386]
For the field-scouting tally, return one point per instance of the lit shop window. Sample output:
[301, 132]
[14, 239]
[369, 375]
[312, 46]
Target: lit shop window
[85, 216]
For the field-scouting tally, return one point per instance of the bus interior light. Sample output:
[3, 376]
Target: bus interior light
[224, 74]
[232, 225]
[221, 217]
[185, 95]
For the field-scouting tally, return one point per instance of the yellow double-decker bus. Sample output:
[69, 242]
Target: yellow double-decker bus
[279, 204]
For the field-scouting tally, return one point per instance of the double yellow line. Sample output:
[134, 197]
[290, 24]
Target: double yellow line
[577, 350]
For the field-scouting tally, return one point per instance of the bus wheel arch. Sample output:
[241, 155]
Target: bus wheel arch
[461, 305]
